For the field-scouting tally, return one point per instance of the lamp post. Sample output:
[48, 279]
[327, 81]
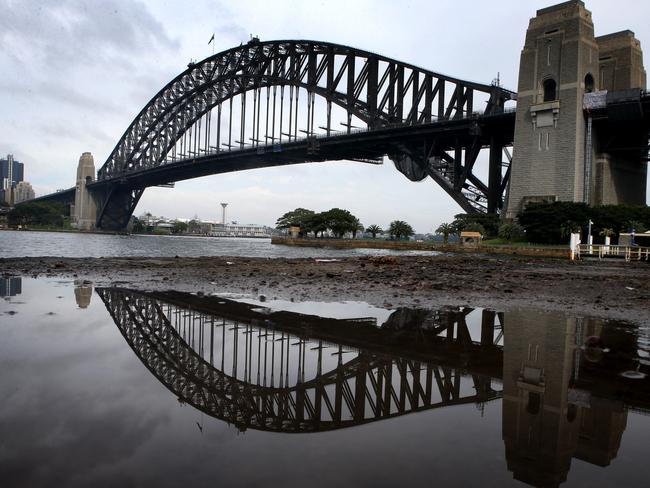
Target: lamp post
[589, 238]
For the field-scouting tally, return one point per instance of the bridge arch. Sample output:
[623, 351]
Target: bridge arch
[194, 119]
[375, 89]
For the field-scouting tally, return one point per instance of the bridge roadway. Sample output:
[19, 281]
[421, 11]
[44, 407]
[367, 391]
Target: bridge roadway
[417, 360]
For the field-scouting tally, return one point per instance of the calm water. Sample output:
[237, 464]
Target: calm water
[31, 244]
[119, 387]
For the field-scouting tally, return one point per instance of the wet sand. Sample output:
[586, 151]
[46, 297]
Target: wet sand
[610, 289]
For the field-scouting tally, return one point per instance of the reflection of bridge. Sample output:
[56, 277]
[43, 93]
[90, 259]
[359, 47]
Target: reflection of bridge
[296, 373]
[564, 394]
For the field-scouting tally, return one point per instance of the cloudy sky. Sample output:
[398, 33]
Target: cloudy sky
[75, 73]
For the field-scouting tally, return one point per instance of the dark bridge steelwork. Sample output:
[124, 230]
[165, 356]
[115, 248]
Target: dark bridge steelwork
[285, 102]
[289, 372]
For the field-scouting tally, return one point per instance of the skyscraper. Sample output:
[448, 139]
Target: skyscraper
[11, 173]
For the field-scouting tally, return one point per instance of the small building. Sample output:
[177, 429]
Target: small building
[470, 239]
[638, 238]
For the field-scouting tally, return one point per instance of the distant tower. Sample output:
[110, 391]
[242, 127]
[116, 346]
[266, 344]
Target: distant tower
[85, 209]
[223, 213]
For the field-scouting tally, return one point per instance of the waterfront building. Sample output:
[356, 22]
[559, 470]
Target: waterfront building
[239, 230]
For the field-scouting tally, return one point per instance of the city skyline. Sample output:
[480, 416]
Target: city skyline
[54, 117]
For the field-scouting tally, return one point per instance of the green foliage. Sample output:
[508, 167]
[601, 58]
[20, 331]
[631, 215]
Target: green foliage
[445, 230]
[340, 221]
[546, 223]
[374, 229]
[137, 225]
[550, 223]
[637, 225]
[511, 232]
[48, 214]
[400, 229]
[179, 227]
[316, 223]
[473, 227]
[299, 217]
[469, 222]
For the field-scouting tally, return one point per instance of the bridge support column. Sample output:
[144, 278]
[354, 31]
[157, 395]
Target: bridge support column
[84, 212]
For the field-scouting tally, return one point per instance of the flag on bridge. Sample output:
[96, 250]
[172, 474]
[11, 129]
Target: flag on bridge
[211, 39]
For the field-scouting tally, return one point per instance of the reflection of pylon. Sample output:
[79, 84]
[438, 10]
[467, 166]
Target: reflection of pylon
[223, 213]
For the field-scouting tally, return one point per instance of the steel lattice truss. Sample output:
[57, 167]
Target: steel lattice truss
[281, 94]
[239, 370]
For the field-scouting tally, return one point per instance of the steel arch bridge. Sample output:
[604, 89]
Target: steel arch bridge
[295, 373]
[273, 103]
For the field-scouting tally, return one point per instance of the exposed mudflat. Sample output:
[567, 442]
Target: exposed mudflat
[610, 289]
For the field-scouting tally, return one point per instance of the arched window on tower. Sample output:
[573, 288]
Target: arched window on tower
[550, 90]
[589, 83]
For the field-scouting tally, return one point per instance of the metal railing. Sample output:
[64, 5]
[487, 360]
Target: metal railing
[601, 251]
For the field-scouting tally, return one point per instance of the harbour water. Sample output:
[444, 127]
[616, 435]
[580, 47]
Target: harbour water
[72, 244]
[124, 387]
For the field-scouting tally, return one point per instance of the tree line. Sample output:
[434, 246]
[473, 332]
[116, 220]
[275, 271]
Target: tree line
[552, 223]
[339, 222]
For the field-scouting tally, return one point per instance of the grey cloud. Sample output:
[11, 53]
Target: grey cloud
[70, 32]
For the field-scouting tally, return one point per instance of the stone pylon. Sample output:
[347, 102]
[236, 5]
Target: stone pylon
[84, 213]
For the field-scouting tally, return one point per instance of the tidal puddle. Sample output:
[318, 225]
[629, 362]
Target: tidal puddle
[114, 386]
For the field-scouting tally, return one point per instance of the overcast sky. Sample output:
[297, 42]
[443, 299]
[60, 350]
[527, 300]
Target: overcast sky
[75, 73]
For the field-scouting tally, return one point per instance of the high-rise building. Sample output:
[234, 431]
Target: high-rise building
[11, 173]
[23, 191]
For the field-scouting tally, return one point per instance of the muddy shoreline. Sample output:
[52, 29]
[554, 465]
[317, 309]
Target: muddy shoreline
[610, 289]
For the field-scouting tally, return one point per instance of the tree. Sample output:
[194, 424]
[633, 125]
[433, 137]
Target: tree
[636, 225]
[340, 221]
[315, 223]
[511, 232]
[472, 227]
[137, 226]
[569, 227]
[179, 227]
[296, 218]
[607, 232]
[546, 223]
[445, 230]
[358, 227]
[399, 229]
[37, 213]
[489, 223]
[374, 229]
